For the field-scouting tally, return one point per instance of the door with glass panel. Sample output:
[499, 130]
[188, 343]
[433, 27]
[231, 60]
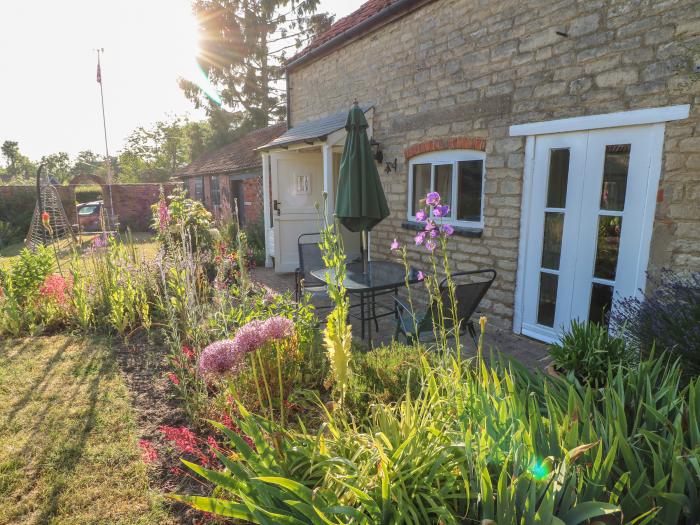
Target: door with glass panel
[585, 242]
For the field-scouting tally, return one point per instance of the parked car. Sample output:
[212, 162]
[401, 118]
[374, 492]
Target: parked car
[89, 216]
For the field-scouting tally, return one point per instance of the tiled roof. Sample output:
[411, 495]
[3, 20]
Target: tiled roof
[239, 155]
[312, 129]
[366, 11]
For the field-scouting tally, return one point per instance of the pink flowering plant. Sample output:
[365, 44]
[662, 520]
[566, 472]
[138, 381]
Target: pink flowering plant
[434, 237]
[259, 366]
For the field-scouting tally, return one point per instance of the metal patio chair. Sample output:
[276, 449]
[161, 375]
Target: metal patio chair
[470, 288]
[310, 258]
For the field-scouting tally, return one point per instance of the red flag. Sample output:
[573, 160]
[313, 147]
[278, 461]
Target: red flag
[99, 74]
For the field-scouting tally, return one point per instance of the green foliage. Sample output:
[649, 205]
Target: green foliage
[17, 209]
[588, 351]
[28, 273]
[9, 233]
[244, 49]
[88, 193]
[499, 445]
[383, 375]
[190, 223]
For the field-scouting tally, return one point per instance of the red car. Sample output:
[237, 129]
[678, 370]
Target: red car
[89, 216]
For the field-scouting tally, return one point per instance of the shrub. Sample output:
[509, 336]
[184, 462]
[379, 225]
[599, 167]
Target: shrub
[183, 220]
[29, 271]
[587, 351]
[668, 318]
[10, 233]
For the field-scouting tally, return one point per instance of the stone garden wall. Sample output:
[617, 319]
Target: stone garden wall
[468, 69]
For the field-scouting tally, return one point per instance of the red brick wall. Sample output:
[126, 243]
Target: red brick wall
[132, 203]
[252, 205]
[20, 200]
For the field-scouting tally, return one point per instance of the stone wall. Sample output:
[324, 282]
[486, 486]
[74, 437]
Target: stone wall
[462, 68]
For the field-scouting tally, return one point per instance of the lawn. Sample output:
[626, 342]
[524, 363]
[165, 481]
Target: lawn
[68, 437]
[143, 242]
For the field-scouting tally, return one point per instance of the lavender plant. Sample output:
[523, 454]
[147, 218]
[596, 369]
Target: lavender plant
[667, 318]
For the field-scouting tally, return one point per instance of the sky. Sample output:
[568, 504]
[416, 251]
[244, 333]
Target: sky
[49, 96]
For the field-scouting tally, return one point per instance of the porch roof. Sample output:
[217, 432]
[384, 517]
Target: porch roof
[311, 130]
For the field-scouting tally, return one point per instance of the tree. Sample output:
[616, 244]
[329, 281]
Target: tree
[19, 168]
[243, 49]
[58, 166]
[155, 153]
[10, 150]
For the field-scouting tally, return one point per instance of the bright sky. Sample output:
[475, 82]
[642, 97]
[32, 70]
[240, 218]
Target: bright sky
[49, 97]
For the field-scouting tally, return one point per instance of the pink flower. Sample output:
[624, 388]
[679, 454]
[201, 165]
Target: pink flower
[441, 211]
[181, 437]
[173, 378]
[434, 233]
[420, 238]
[430, 245]
[163, 214]
[221, 357]
[430, 225]
[247, 338]
[276, 327]
[421, 216]
[433, 198]
[447, 229]
[149, 454]
[56, 288]
[395, 245]
[188, 352]
[420, 275]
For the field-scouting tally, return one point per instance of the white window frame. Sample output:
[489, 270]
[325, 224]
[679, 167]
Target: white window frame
[450, 157]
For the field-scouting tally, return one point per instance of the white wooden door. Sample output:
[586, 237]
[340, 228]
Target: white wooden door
[588, 225]
[297, 197]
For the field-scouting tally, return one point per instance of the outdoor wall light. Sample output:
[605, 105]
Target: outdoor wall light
[390, 165]
[376, 149]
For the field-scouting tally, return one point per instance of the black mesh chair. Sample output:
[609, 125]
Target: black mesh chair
[310, 258]
[470, 288]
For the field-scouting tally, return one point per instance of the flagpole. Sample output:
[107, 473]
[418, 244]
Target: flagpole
[104, 126]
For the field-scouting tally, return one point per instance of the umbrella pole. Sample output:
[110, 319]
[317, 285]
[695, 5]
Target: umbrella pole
[365, 255]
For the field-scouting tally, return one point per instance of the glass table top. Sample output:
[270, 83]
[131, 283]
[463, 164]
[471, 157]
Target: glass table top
[380, 275]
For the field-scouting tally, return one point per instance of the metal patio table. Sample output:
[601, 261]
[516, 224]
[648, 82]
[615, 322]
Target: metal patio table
[381, 278]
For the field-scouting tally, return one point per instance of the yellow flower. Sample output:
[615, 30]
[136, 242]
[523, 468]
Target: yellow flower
[482, 323]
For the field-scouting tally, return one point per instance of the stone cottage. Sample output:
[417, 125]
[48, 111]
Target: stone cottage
[564, 134]
[231, 172]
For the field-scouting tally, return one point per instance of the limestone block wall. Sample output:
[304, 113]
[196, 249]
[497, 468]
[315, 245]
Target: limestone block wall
[470, 69]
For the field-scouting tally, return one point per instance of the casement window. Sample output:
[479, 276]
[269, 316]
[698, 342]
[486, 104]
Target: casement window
[458, 176]
[199, 189]
[215, 191]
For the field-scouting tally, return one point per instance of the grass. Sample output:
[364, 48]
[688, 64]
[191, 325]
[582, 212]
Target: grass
[144, 242]
[68, 437]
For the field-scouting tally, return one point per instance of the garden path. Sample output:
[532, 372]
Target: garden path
[528, 351]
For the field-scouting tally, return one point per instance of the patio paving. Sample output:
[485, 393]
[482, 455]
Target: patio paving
[528, 351]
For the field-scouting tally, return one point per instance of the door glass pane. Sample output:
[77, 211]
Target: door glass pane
[617, 160]
[609, 229]
[548, 299]
[601, 302]
[551, 245]
[421, 185]
[469, 190]
[558, 178]
[443, 184]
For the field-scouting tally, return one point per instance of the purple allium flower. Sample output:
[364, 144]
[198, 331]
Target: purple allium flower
[421, 216]
[277, 328]
[447, 229]
[441, 211]
[430, 245]
[395, 245]
[221, 357]
[420, 238]
[433, 198]
[248, 337]
[420, 275]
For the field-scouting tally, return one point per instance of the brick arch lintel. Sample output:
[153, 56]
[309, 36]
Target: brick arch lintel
[428, 146]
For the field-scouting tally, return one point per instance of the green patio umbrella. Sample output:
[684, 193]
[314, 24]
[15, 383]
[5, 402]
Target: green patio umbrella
[360, 201]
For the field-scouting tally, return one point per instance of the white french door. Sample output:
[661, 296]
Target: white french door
[589, 214]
